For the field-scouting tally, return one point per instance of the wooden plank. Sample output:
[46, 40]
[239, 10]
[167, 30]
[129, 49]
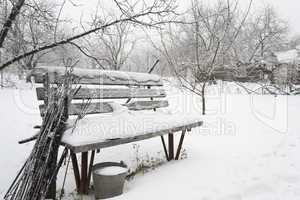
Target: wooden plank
[146, 105]
[110, 93]
[93, 108]
[97, 77]
[76, 108]
[110, 143]
[105, 107]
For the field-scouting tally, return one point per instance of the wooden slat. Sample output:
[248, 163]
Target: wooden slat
[110, 143]
[93, 108]
[105, 107]
[97, 77]
[146, 105]
[110, 93]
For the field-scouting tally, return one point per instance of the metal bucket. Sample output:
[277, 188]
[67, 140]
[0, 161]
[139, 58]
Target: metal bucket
[107, 186]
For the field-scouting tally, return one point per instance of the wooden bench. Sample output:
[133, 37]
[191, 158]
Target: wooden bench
[136, 91]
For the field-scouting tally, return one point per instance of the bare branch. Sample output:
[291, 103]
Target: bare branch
[134, 19]
[11, 18]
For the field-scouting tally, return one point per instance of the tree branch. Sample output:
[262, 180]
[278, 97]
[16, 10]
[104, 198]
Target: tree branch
[133, 19]
[8, 23]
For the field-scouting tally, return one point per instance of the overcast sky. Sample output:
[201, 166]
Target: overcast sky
[289, 10]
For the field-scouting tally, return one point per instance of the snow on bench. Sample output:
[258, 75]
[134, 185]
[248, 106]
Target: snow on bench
[94, 76]
[124, 126]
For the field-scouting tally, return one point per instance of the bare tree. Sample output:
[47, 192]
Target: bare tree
[34, 26]
[202, 44]
[263, 33]
[141, 13]
[111, 48]
[116, 45]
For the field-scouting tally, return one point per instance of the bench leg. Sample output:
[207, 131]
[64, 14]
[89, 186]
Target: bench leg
[171, 146]
[76, 170]
[165, 148]
[180, 144]
[84, 173]
[170, 154]
[90, 168]
[83, 180]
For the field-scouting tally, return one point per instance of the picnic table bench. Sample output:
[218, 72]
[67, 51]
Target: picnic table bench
[117, 116]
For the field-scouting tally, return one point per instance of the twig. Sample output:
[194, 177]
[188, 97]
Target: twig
[154, 65]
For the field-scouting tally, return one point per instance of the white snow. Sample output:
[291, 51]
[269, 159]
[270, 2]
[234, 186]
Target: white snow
[118, 108]
[111, 170]
[123, 124]
[248, 148]
[82, 72]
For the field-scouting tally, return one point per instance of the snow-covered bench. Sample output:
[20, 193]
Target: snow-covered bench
[123, 113]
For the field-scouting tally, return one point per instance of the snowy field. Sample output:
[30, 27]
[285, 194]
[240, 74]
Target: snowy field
[248, 148]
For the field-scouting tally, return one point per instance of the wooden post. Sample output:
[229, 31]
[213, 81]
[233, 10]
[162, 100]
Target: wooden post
[46, 85]
[180, 144]
[171, 146]
[84, 173]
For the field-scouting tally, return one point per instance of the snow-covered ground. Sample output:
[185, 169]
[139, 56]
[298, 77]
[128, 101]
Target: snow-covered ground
[248, 148]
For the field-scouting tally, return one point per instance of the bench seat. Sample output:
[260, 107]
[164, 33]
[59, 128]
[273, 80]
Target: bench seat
[124, 126]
